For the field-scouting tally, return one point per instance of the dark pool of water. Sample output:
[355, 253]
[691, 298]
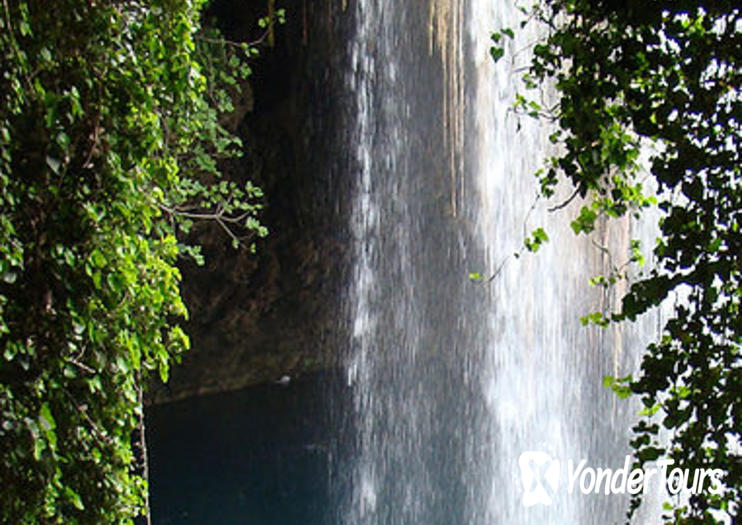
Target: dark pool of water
[258, 456]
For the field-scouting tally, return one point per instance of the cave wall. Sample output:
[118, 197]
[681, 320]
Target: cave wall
[257, 317]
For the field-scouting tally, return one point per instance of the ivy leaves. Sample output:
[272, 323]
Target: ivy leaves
[110, 146]
[497, 51]
[663, 79]
[538, 237]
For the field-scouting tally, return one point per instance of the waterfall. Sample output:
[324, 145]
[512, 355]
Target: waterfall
[451, 379]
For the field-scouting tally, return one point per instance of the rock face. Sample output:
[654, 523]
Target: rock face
[257, 317]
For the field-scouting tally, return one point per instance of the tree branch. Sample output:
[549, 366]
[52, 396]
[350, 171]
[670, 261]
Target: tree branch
[565, 203]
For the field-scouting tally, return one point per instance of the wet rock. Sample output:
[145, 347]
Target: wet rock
[258, 317]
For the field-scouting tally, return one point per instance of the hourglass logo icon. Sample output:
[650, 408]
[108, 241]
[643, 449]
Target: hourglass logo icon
[539, 475]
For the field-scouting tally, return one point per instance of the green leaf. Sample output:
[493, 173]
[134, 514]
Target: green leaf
[73, 497]
[649, 453]
[540, 235]
[38, 448]
[45, 418]
[54, 164]
[650, 411]
[97, 258]
[496, 53]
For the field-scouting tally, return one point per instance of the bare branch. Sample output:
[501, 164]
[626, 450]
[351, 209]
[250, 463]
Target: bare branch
[565, 203]
[239, 45]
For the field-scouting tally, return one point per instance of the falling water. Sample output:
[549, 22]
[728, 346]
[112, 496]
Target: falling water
[452, 379]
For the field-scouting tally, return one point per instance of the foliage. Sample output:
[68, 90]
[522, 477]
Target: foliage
[110, 140]
[663, 77]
